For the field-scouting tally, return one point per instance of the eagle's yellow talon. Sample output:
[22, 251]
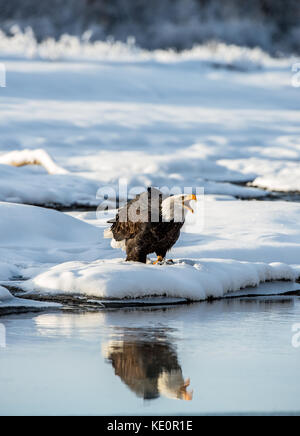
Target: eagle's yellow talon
[159, 259]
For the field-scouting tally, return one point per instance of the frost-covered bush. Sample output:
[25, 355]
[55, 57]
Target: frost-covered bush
[274, 25]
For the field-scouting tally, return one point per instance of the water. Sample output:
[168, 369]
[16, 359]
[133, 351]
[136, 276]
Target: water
[238, 355]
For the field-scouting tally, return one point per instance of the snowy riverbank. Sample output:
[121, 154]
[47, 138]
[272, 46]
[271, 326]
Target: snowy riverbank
[221, 118]
[59, 254]
[205, 117]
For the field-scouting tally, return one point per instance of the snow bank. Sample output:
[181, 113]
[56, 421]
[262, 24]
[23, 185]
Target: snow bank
[33, 236]
[60, 187]
[285, 179]
[191, 279]
[35, 226]
[5, 295]
[8, 271]
[20, 158]
[280, 172]
[31, 185]
[10, 304]
[61, 254]
[154, 123]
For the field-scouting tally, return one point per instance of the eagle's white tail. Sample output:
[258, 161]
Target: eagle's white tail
[108, 234]
[118, 244]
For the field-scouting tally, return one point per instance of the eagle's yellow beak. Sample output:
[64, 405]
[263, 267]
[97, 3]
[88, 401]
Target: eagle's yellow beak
[189, 198]
[186, 395]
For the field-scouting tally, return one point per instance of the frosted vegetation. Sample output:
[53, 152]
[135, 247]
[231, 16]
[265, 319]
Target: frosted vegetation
[272, 25]
[22, 44]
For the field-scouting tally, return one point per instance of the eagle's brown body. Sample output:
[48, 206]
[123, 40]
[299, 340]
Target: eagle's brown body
[145, 238]
[148, 234]
[142, 364]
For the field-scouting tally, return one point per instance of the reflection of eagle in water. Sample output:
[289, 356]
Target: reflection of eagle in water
[148, 224]
[149, 369]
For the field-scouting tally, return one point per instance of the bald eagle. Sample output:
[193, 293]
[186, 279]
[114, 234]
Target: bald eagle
[150, 223]
[149, 368]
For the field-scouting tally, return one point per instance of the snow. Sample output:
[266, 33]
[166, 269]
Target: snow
[32, 185]
[11, 304]
[241, 244]
[187, 278]
[272, 288]
[32, 157]
[281, 174]
[284, 180]
[71, 47]
[215, 117]
[107, 111]
[5, 295]
[8, 271]
[32, 235]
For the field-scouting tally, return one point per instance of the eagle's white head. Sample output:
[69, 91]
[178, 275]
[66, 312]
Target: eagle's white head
[176, 207]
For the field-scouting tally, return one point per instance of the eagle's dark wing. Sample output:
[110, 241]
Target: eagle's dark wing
[134, 217]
